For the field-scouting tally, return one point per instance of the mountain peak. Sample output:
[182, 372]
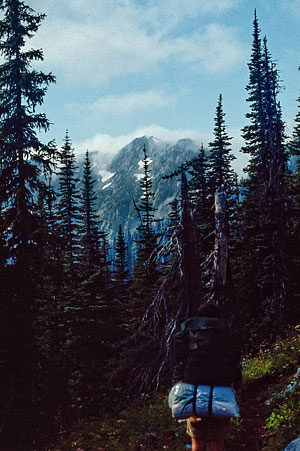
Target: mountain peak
[115, 205]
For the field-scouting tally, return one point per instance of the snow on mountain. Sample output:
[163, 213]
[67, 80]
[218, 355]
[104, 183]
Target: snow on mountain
[105, 175]
[115, 203]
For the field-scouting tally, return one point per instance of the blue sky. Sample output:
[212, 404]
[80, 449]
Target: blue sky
[126, 68]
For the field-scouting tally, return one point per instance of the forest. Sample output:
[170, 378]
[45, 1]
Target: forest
[81, 334]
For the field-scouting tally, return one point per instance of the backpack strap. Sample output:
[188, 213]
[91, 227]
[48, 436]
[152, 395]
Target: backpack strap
[194, 399]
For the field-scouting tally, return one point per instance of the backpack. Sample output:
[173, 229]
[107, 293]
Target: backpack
[209, 350]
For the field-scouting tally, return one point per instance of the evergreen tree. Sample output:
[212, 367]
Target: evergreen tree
[145, 271]
[23, 159]
[294, 241]
[199, 202]
[262, 261]
[221, 174]
[254, 134]
[90, 229]
[173, 216]
[201, 197]
[68, 210]
[294, 143]
[121, 275]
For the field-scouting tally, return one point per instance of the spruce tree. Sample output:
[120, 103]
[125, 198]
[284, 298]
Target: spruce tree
[221, 174]
[294, 239]
[23, 159]
[253, 133]
[90, 228]
[145, 271]
[173, 216]
[262, 261]
[294, 143]
[121, 275]
[68, 210]
[201, 197]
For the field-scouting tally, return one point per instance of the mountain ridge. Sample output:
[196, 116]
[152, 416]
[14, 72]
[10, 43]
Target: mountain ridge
[118, 185]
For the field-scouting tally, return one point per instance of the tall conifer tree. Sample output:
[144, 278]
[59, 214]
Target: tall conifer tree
[254, 132]
[173, 216]
[23, 159]
[263, 219]
[222, 176]
[121, 275]
[145, 268]
[294, 242]
[68, 210]
[90, 229]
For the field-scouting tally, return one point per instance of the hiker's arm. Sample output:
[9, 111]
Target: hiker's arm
[179, 357]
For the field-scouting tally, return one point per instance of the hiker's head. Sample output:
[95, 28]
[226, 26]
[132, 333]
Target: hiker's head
[209, 310]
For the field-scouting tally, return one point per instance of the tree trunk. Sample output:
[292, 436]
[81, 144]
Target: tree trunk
[190, 260]
[220, 262]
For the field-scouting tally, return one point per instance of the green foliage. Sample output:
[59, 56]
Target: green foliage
[261, 260]
[25, 162]
[282, 410]
[276, 364]
[121, 276]
[281, 359]
[221, 174]
[68, 203]
[146, 271]
[122, 432]
[283, 422]
[61, 314]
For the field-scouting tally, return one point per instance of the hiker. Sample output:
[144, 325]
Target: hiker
[207, 352]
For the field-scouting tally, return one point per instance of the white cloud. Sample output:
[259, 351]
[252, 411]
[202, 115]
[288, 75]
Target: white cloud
[216, 48]
[95, 40]
[121, 105]
[108, 146]
[165, 14]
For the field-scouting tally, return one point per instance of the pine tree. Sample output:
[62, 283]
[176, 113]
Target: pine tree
[294, 239]
[201, 198]
[221, 174]
[294, 143]
[190, 252]
[68, 210]
[254, 134]
[173, 216]
[263, 219]
[121, 275]
[90, 229]
[23, 159]
[145, 271]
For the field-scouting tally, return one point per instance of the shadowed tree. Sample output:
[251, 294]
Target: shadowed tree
[90, 229]
[145, 271]
[263, 222]
[68, 210]
[121, 276]
[23, 160]
[294, 242]
[221, 174]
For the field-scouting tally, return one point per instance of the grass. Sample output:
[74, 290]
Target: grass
[277, 365]
[279, 360]
[151, 422]
[152, 419]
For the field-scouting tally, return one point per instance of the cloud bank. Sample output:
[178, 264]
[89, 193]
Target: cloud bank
[108, 146]
[116, 106]
[96, 40]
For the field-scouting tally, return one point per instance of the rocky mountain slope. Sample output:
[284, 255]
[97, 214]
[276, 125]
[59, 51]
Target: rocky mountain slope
[119, 185]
